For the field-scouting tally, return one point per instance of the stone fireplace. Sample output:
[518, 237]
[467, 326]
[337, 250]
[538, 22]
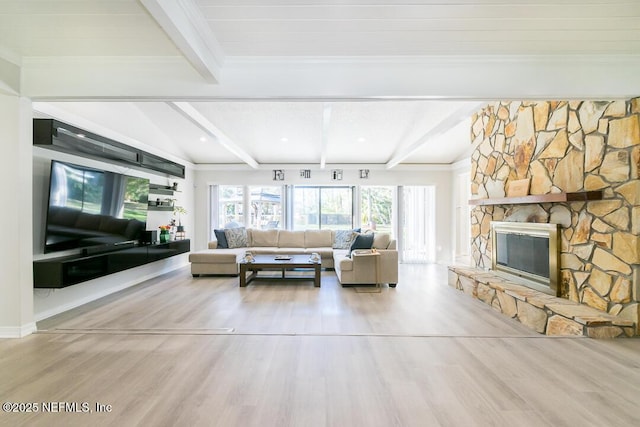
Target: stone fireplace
[563, 147]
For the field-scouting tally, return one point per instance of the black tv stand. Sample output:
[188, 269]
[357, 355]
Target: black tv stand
[73, 269]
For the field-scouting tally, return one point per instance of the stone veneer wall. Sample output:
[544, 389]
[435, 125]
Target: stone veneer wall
[567, 146]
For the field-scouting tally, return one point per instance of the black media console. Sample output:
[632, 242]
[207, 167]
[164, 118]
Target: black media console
[70, 270]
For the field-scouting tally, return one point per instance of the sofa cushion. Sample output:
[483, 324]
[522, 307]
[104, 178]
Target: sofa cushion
[318, 238]
[236, 237]
[362, 241]
[345, 264]
[343, 239]
[221, 238]
[381, 240]
[324, 252]
[262, 250]
[263, 238]
[290, 239]
[287, 251]
[214, 256]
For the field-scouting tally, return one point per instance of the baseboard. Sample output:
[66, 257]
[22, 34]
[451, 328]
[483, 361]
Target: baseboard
[17, 331]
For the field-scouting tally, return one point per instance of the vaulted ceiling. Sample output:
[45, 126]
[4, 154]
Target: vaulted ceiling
[313, 81]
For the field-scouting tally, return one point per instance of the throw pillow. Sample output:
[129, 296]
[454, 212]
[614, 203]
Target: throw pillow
[343, 239]
[381, 240]
[236, 237]
[362, 241]
[221, 238]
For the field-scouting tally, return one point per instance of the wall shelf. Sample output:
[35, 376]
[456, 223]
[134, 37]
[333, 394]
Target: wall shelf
[161, 189]
[157, 204]
[581, 196]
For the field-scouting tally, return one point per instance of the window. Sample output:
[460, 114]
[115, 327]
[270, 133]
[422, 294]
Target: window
[231, 206]
[266, 207]
[322, 208]
[376, 208]
[417, 224]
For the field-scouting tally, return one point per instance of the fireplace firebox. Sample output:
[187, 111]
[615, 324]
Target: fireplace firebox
[529, 252]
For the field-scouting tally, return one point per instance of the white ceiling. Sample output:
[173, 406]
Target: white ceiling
[307, 82]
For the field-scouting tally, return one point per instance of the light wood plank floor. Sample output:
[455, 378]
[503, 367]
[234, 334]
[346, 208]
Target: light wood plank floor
[183, 351]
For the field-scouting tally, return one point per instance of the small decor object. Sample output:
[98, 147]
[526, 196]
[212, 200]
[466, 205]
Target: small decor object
[282, 258]
[164, 233]
[364, 173]
[248, 257]
[179, 210]
[305, 173]
[175, 186]
[518, 187]
[278, 175]
[315, 257]
[180, 233]
[336, 174]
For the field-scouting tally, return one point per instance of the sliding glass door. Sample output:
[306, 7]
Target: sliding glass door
[377, 208]
[322, 207]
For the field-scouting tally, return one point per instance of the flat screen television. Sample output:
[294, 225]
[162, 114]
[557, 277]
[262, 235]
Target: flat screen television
[92, 208]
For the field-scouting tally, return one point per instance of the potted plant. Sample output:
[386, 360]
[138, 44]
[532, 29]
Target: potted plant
[179, 210]
[164, 233]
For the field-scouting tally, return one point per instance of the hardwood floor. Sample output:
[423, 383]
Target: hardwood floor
[182, 351]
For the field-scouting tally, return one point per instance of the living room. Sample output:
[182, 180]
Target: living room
[171, 79]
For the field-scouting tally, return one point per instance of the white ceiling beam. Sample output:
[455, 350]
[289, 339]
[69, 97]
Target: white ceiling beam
[455, 78]
[446, 124]
[184, 23]
[326, 122]
[201, 121]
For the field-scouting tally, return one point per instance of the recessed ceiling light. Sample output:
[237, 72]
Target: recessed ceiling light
[81, 135]
[203, 139]
[361, 139]
[284, 139]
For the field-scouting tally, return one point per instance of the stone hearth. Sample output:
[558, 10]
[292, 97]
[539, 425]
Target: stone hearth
[541, 312]
[567, 146]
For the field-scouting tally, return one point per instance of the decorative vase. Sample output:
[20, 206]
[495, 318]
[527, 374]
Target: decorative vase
[164, 236]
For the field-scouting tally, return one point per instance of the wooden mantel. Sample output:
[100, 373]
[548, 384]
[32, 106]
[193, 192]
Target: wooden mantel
[581, 196]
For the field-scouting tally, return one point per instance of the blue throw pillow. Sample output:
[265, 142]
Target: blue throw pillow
[222, 239]
[362, 241]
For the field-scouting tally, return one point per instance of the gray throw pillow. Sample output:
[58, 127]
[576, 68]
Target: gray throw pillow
[343, 239]
[362, 241]
[221, 238]
[236, 237]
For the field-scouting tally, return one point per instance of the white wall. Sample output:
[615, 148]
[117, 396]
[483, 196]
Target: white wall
[439, 176]
[16, 277]
[48, 302]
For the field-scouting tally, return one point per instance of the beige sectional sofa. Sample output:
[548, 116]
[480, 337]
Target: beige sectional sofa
[360, 268]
